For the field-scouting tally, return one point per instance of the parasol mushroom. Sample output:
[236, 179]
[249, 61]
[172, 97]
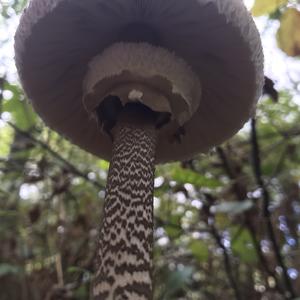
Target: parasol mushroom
[138, 82]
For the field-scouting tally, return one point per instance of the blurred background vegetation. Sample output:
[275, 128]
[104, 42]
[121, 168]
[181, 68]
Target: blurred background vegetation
[227, 224]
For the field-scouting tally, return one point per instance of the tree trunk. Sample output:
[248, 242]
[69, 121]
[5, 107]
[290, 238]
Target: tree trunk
[124, 264]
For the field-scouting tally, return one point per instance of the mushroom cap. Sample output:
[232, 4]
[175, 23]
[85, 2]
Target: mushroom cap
[56, 40]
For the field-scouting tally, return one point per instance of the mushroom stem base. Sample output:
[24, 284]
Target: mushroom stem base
[124, 258]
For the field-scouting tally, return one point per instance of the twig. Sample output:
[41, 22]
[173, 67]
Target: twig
[59, 270]
[266, 212]
[238, 190]
[287, 134]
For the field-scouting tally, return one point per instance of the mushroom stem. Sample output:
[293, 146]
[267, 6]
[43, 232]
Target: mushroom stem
[126, 237]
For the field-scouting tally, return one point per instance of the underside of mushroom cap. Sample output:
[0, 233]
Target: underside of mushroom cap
[57, 39]
[144, 73]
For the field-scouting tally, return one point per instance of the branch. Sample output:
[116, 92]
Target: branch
[227, 263]
[239, 194]
[209, 219]
[266, 211]
[57, 156]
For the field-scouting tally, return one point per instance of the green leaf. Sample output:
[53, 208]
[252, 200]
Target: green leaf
[21, 111]
[264, 7]
[8, 213]
[242, 246]
[183, 176]
[81, 292]
[103, 164]
[6, 138]
[232, 207]
[74, 269]
[288, 35]
[8, 269]
[177, 280]
[172, 231]
[199, 249]
[173, 226]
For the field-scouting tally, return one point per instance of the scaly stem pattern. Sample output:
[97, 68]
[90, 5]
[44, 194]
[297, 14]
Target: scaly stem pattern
[124, 264]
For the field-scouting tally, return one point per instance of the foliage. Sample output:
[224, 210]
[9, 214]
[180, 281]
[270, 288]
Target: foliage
[262, 7]
[289, 33]
[227, 223]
